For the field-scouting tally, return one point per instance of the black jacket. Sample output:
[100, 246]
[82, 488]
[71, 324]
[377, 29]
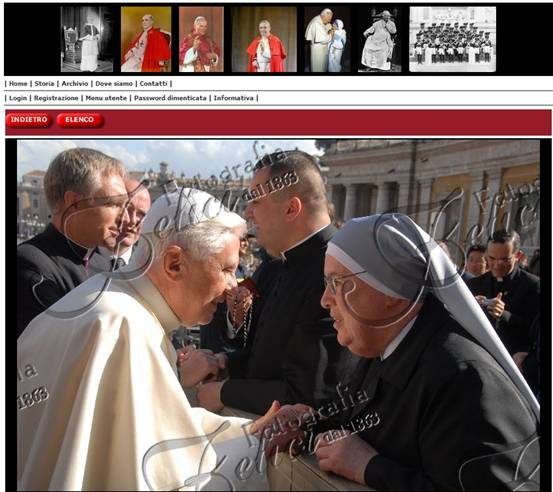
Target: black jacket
[50, 265]
[521, 295]
[442, 414]
[292, 354]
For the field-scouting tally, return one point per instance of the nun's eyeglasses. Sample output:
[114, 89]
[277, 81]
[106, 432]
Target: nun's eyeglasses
[332, 281]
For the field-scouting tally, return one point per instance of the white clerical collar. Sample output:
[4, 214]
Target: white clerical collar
[106, 253]
[283, 254]
[398, 339]
[151, 298]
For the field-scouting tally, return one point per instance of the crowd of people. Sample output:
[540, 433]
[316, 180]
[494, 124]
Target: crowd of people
[446, 43]
[360, 345]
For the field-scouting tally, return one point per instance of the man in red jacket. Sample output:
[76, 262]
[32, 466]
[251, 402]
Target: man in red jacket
[149, 50]
[266, 51]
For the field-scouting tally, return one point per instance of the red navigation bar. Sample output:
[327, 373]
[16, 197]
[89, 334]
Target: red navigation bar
[305, 122]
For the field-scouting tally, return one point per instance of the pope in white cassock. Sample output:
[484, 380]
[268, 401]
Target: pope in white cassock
[100, 406]
[319, 33]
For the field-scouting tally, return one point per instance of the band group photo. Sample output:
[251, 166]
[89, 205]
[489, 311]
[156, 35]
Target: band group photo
[454, 39]
[392, 360]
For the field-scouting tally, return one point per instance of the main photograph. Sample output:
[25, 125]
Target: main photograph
[239, 314]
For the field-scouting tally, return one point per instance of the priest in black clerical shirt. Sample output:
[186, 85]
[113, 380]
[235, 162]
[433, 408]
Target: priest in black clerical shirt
[291, 353]
[86, 192]
[509, 296]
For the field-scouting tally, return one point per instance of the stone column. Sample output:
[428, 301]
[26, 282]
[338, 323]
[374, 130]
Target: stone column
[382, 198]
[493, 205]
[403, 196]
[350, 203]
[474, 197]
[425, 197]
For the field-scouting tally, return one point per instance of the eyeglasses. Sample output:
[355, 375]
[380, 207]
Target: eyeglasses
[332, 281]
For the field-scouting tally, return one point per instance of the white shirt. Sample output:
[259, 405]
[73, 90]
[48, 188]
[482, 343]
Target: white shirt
[106, 253]
[398, 339]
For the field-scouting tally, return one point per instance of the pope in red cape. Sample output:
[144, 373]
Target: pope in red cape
[266, 52]
[197, 50]
[140, 59]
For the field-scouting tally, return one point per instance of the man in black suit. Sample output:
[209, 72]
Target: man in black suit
[291, 351]
[86, 192]
[509, 296]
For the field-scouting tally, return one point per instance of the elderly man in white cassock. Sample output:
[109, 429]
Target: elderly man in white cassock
[100, 406]
[319, 33]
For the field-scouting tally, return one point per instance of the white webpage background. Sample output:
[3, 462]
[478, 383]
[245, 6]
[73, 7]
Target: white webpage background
[350, 91]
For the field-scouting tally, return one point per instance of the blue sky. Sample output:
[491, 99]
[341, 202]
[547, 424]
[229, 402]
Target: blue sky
[191, 157]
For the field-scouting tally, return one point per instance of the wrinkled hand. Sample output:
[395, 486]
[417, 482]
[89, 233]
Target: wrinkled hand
[209, 396]
[196, 43]
[239, 300]
[281, 428]
[197, 365]
[344, 454]
[496, 306]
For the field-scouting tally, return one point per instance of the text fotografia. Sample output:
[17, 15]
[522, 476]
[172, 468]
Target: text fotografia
[31, 397]
[246, 466]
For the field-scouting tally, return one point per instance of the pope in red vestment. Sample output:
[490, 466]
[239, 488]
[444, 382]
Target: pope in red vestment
[205, 48]
[258, 60]
[157, 47]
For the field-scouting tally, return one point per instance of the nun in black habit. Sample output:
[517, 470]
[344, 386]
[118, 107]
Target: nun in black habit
[446, 406]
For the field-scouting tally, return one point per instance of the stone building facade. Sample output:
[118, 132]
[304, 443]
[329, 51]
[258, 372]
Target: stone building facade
[458, 190]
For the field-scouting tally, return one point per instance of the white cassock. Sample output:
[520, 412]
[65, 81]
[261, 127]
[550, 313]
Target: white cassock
[318, 33]
[100, 406]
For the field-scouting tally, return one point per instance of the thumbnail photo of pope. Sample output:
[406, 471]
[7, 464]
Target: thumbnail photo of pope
[87, 38]
[264, 39]
[201, 47]
[357, 343]
[146, 39]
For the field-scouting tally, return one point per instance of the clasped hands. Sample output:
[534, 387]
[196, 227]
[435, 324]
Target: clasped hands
[496, 306]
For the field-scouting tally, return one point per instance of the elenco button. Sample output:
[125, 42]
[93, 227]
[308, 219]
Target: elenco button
[79, 120]
[28, 120]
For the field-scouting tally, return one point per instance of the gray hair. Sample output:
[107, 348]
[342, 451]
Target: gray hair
[149, 15]
[199, 19]
[265, 21]
[201, 240]
[79, 170]
[326, 11]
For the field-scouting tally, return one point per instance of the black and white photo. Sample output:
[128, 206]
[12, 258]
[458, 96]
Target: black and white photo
[379, 38]
[452, 39]
[86, 39]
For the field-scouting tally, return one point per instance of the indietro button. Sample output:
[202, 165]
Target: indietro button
[79, 120]
[28, 120]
